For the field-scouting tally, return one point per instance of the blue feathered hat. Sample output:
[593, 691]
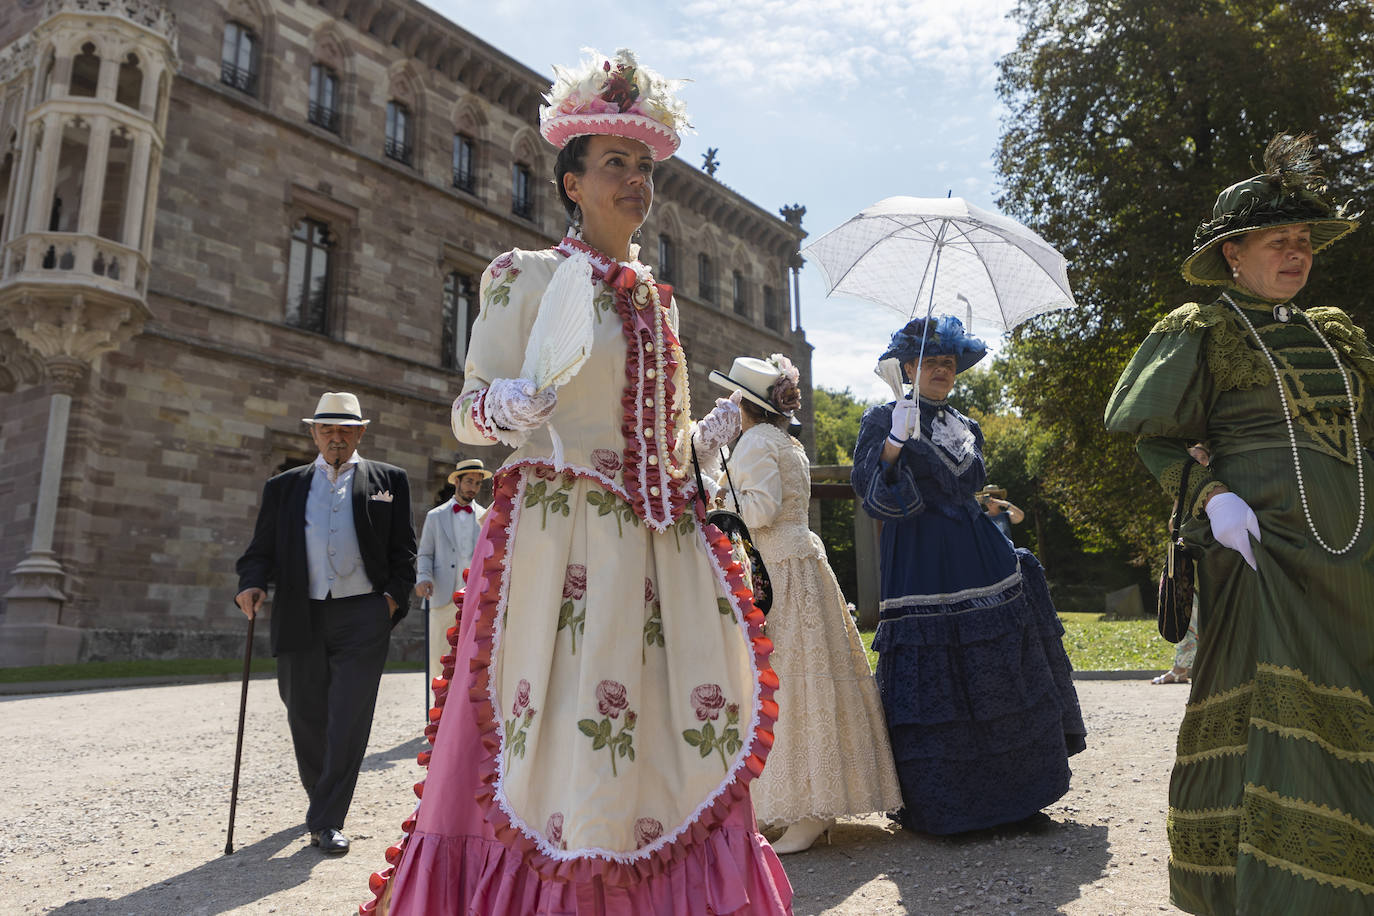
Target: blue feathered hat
[944, 336]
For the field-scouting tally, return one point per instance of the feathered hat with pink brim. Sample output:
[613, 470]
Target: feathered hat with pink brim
[617, 97]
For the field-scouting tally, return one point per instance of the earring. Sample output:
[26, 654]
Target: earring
[1235, 272]
[577, 217]
[635, 236]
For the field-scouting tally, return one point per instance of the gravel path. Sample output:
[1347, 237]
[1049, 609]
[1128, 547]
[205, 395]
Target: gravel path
[115, 802]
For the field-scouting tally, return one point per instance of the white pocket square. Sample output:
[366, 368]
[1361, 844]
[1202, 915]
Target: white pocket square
[383, 496]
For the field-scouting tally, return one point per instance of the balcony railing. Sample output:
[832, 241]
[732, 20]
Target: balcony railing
[66, 258]
[464, 180]
[322, 116]
[241, 79]
[398, 150]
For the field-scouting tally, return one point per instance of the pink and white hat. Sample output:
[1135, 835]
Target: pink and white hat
[614, 96]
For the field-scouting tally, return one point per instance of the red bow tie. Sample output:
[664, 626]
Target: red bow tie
[458, 508]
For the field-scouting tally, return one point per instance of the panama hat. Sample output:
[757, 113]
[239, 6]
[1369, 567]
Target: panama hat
[337, 408]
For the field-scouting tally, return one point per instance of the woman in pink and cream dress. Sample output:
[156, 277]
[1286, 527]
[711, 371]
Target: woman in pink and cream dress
[611, 698]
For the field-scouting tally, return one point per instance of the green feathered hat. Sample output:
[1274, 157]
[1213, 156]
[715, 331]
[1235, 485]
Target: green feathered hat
[1288, 192]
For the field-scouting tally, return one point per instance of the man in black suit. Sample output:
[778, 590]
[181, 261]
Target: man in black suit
[336, 538]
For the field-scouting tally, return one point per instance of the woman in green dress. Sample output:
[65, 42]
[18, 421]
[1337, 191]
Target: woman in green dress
[1271, 802]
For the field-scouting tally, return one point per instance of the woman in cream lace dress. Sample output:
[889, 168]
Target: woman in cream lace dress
[831, 755]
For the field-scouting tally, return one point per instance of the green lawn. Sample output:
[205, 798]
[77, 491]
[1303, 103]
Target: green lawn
[1095, 643]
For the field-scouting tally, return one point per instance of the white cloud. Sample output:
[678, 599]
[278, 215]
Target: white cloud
[791, 45]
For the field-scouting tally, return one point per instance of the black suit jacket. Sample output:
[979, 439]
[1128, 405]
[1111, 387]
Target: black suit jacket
[386, 539]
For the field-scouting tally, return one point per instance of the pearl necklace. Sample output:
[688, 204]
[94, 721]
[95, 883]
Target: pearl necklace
[1292, 437]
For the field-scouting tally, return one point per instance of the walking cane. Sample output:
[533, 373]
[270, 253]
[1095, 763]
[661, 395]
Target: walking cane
[238, 747]
[425, 609]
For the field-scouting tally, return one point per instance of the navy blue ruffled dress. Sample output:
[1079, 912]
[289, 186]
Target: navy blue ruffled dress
[975, 683]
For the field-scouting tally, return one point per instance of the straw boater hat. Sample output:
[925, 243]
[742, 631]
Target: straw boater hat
[754, 379]
[944, 336]
[468, 466]
[617, 97]
[337, 408]
[1288, 192]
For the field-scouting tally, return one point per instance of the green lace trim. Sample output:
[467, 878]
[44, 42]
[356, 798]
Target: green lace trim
[1308, 840]
[1216, 726]
[1233, 363]
[1305, 839]
[1204, 841]
[1338, 719]
[1286, 702]
[1348, 339]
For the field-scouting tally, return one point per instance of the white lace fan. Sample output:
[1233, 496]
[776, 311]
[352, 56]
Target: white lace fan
[890, 371]
[561, 337]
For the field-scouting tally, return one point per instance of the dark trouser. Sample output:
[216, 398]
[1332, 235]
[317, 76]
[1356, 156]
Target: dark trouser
[330, 691]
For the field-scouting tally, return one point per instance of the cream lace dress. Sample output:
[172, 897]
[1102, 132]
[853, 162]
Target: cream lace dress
[831, 755]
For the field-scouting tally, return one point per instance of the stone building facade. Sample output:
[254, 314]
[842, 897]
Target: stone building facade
[214, 210]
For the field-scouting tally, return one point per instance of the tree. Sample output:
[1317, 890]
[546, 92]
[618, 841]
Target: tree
[1127, 117]
[837, 415]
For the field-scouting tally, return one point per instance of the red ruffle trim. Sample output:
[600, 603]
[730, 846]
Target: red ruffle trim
[733, 872]
[638, 326]
[611, 873]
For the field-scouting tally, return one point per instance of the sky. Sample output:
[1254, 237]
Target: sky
[832, 104]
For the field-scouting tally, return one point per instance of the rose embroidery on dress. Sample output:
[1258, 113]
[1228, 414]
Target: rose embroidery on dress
[653, 623]
[522, 714]
[553, 830]
[611, 700]
[647, 829]
[708, 701]
[606, 462]
[503, 274]
[574, 590]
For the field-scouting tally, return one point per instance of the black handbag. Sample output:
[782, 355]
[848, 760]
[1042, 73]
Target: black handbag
[732, 525]
[1176, 582]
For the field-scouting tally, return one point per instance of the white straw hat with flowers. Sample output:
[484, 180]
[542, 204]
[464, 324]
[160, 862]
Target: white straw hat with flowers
[614, 96]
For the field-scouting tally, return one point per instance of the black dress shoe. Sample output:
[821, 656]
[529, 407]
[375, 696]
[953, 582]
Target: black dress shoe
[330, 840]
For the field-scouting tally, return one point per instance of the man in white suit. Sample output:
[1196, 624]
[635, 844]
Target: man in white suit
[446, 546]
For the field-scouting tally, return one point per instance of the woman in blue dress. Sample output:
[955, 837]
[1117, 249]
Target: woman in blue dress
[977, 689]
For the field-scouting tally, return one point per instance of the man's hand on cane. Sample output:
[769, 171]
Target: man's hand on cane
[249, 600]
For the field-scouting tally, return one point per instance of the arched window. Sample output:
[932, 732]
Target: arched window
[116, 191]
[459, 313]
[521, 191]
[308, 276]
[85, 72]
[324, 97]
[46, 85]
[399, 132]
[129, 89]
[6, 170]
[739, 294]
[667, 259]
[772, 315]
[706, 278]
[464, 163]
[239, 58]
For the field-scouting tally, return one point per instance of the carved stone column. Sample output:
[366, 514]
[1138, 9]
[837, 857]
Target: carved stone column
[31, 631]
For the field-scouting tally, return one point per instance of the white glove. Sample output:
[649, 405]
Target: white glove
[1233, 522]
[720, 425]
[513, 404]
[906, 421]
